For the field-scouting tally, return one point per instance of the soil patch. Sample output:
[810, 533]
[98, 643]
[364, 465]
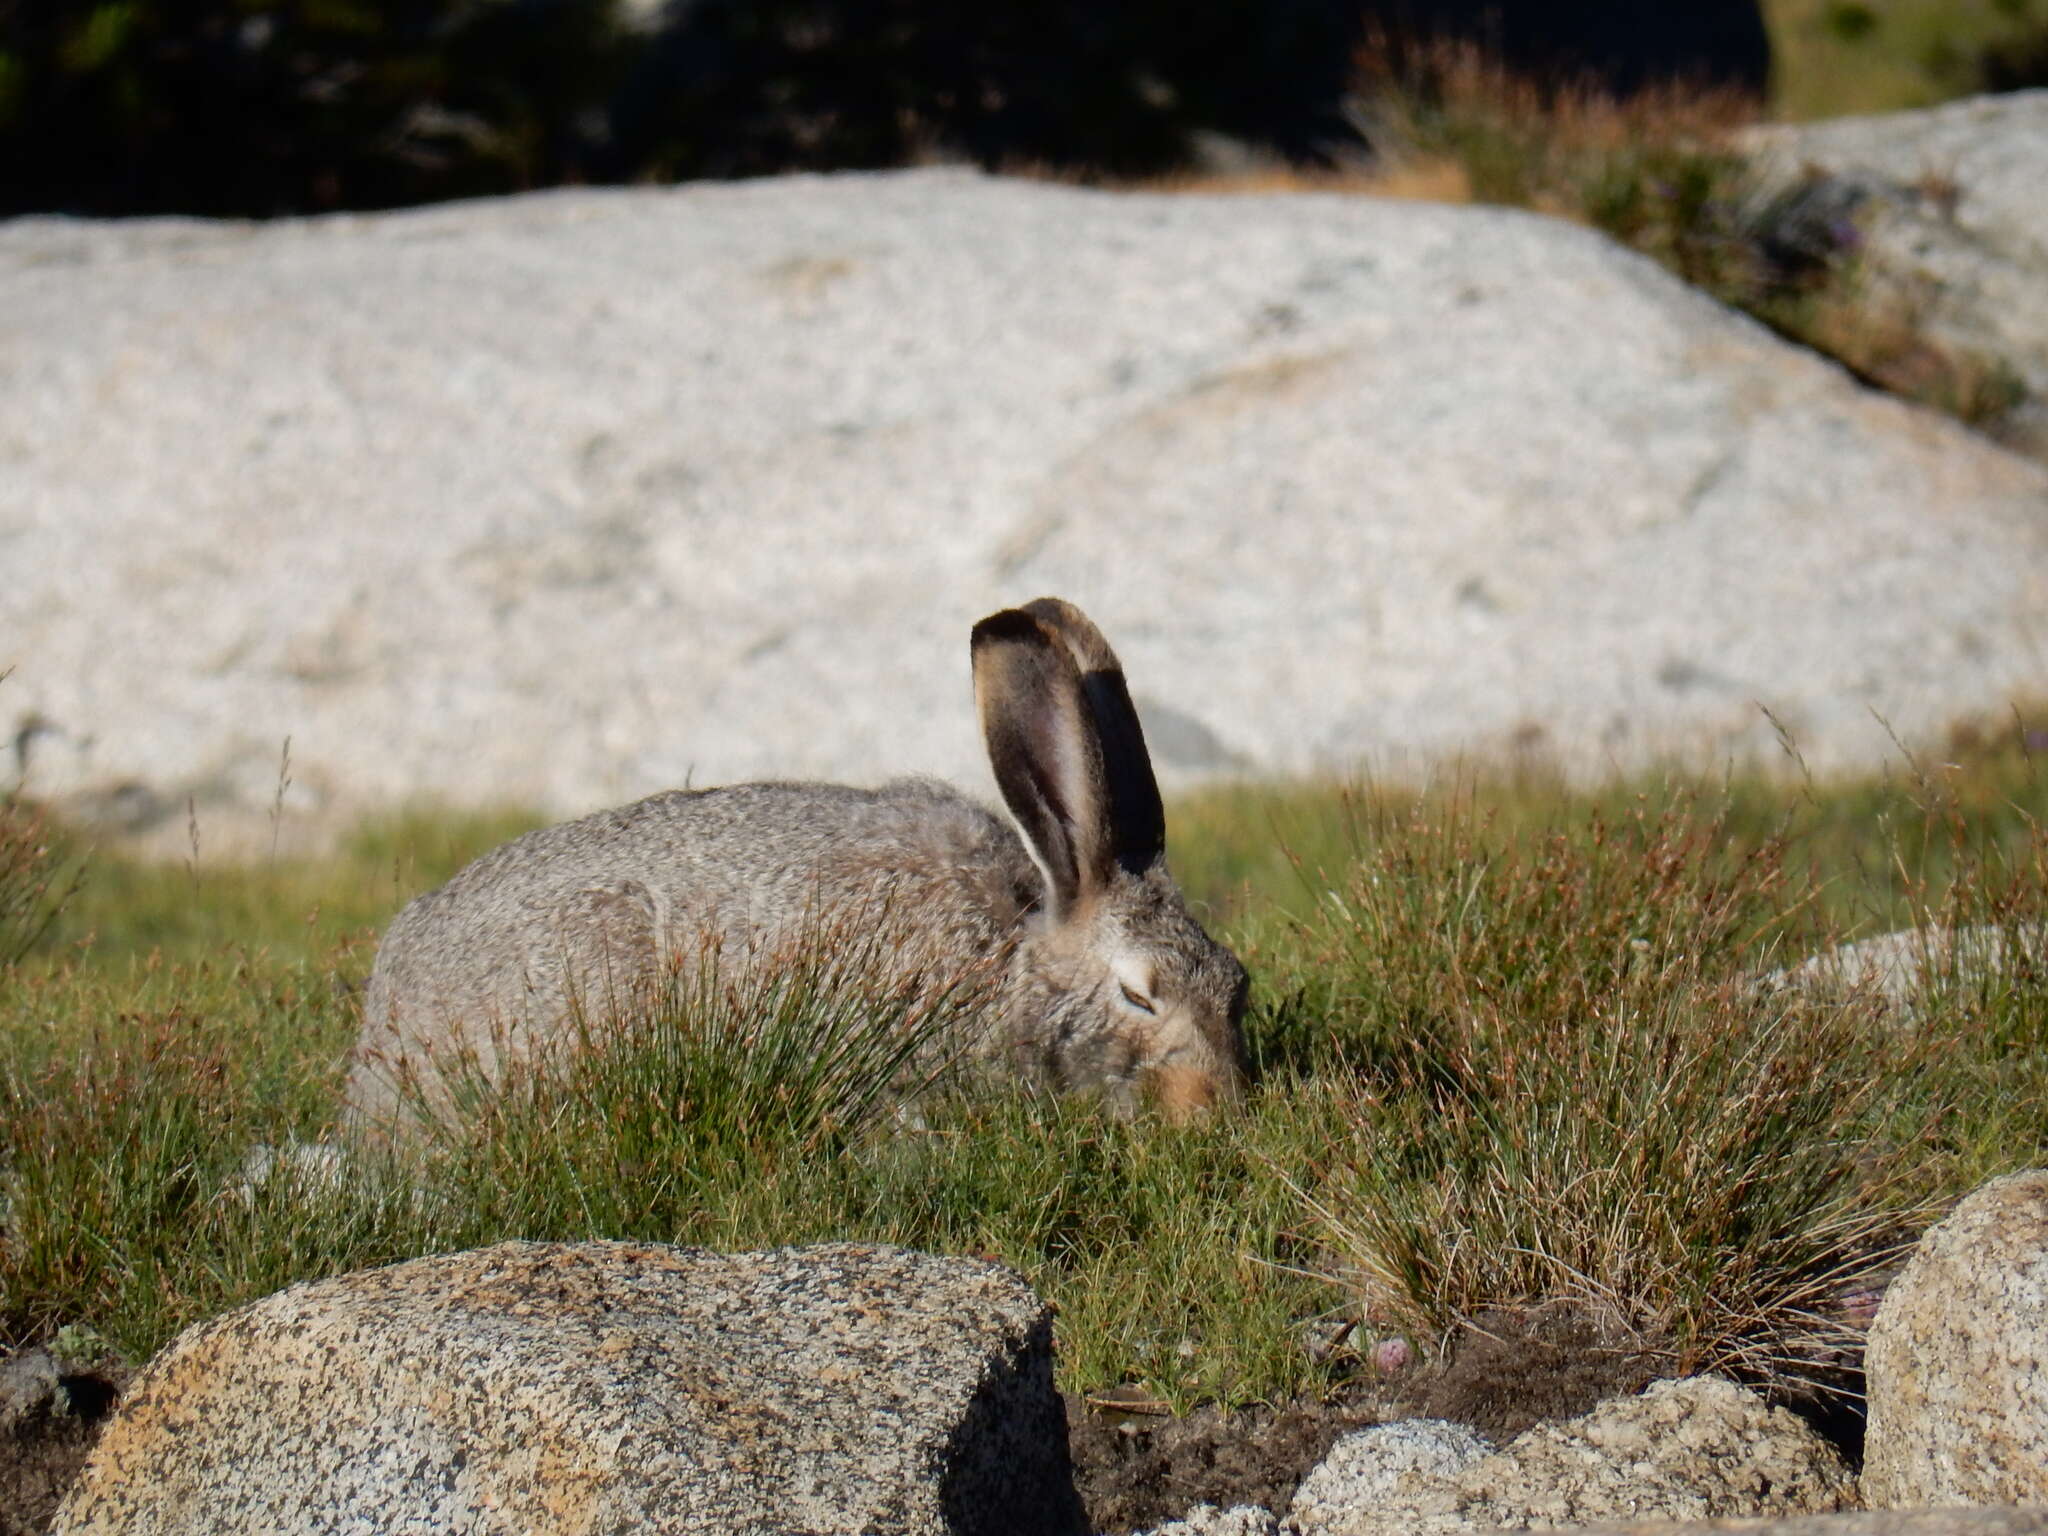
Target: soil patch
[50, 1415]
[1135, 1472]
[1505, 1372]
[1511, 1369]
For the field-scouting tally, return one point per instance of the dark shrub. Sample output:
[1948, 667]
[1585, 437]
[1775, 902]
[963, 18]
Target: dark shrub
[241, 107]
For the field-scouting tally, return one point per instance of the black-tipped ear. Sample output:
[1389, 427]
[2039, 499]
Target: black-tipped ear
[1137, 815]
[1046, 751]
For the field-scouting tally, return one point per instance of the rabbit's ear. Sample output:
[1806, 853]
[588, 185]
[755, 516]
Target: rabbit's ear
[1136, 813]
[1046, 751]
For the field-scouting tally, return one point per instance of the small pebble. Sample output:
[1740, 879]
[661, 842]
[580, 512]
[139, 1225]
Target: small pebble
[1391, 1355]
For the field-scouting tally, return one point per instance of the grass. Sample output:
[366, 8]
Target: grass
[282, 908]
[1510, 1044]
[1575, 1046]
[38, 878]
[1832, 58]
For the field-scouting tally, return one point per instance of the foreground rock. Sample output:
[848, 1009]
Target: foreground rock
[1936, 1522]
[1386, 1462]
[536, 1388]
[567, 498]
[1206, 1520]
[1209, 1520]
[1944, 211]
[1696, 1449]
[1957, 1361]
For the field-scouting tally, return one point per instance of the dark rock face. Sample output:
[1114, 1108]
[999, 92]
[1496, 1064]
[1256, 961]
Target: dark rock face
[744, 87]
[204, 108]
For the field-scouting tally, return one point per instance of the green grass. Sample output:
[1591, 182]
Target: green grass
[1832, 58]
[286, 909]
[39, 877]
[1509, 1041]
[1579, 1093]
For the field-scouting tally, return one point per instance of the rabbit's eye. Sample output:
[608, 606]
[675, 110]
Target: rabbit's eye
[1138, 1000]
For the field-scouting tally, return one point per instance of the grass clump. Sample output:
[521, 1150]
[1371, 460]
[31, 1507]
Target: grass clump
[1571, 1085]
[117, 1152]
[733, 1071]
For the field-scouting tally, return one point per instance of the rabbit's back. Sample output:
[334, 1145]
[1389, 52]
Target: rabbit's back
[593, 910]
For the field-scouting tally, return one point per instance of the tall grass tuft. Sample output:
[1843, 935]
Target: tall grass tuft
[732, 1069]
[1569, 1082]
[109, 1152]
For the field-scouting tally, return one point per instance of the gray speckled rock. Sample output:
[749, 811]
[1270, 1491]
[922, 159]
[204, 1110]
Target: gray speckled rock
[1940, 1522]
[1208, 1520]
[531, 1389]
[1367, 1469]
[1695, 1449]
[1957, 1361]
[569, 498]
[1950, 220]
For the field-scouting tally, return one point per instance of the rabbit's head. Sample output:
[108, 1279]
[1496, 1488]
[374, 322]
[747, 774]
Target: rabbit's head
[1115, 986]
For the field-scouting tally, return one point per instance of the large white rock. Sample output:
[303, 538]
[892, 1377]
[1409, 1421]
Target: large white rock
[1957, 1360]
[566, 498]
[536, 1389]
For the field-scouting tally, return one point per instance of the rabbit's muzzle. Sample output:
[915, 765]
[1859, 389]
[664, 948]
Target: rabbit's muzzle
[1187, 1093]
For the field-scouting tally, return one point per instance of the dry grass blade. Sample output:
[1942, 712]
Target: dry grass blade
[36, 880]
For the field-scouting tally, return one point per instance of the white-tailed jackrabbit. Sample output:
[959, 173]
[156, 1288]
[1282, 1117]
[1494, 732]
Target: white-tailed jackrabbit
[1106, 981]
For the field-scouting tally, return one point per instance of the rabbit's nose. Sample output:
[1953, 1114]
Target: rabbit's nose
[1183, 1093]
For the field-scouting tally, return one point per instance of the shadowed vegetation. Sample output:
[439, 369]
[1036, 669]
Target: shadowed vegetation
[253, 108]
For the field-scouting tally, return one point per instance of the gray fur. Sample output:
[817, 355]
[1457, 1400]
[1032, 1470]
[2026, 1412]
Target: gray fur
[599, 909]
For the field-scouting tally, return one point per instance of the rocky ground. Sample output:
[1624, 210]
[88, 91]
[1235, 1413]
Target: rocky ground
[1138, 1470]
[1557, 1420]
[1135, 1469]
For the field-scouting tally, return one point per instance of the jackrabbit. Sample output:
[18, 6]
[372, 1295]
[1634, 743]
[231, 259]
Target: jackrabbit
[1104, 980]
